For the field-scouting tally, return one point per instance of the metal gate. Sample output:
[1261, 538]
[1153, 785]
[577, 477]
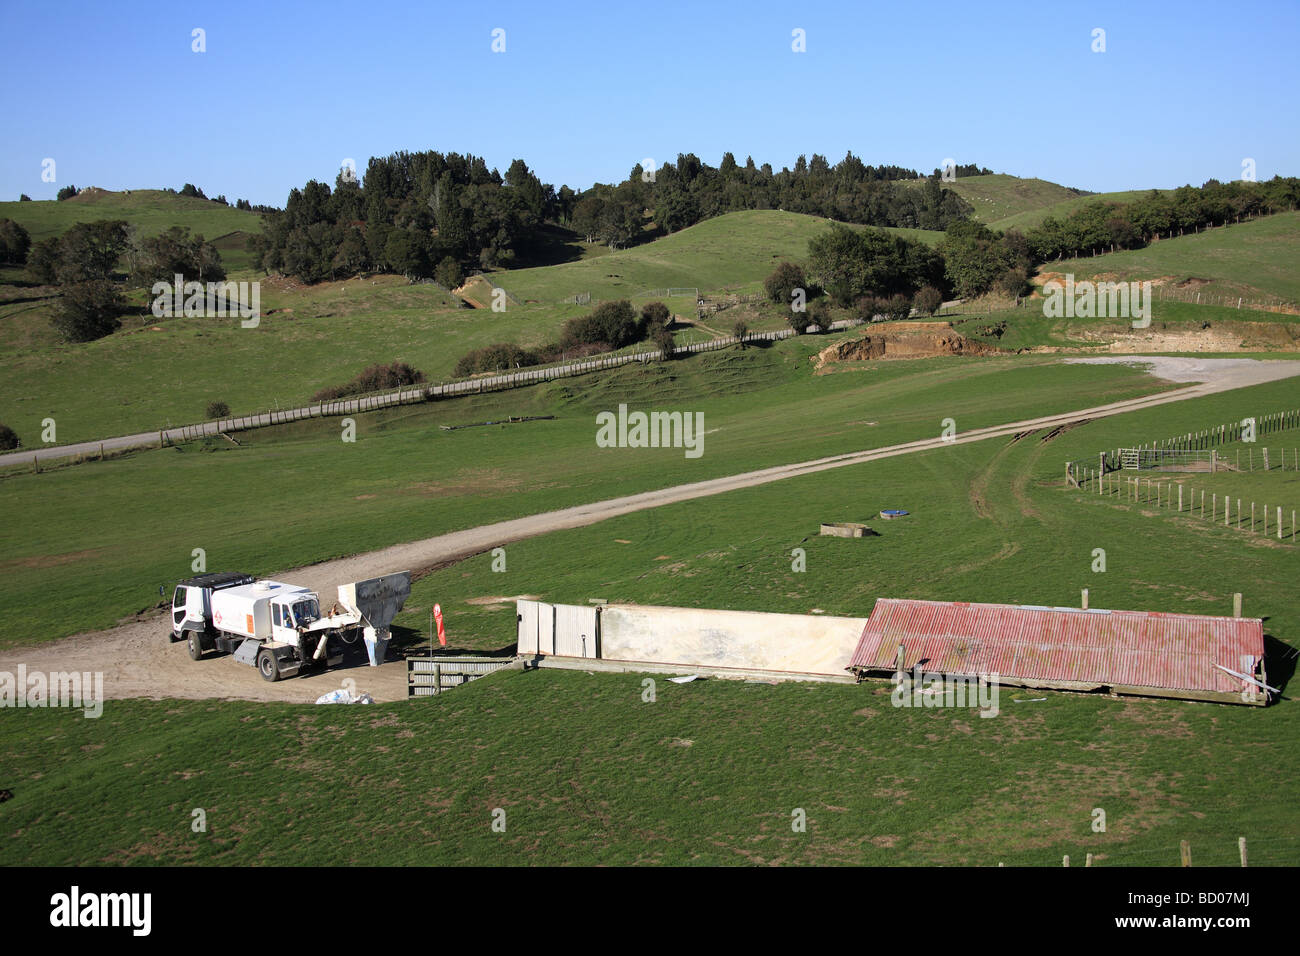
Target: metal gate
[566, 630]
[430, 676]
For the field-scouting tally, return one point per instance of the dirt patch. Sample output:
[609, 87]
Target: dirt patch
[468, 482]
[52, 560]
[487, 601]
[902, 345]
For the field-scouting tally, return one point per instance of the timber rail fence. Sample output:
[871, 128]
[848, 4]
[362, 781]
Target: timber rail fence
[409, 395]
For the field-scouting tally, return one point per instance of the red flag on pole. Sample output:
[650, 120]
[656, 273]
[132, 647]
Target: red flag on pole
[437, 616]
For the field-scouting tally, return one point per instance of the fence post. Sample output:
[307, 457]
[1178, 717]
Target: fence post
[1241, 846]
[1185, 851]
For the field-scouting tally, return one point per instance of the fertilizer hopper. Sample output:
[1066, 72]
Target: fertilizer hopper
[376, 602]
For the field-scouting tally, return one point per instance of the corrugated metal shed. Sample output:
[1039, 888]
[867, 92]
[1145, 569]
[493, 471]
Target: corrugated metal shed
[1126, 651]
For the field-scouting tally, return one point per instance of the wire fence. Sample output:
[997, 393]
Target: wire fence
[1279, 850]
[1215, 507]
[669, 292]
[1199, 297]
[1083, 470]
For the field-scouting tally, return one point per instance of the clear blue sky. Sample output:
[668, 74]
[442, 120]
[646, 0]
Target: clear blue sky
[113, 93]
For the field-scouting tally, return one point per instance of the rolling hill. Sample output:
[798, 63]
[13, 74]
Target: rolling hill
[1028, 218]
[151, 211]
[999, 196]
[1257, 260]
[130, 379]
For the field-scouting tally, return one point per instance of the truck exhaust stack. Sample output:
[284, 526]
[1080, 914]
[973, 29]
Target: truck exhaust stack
[377, 602]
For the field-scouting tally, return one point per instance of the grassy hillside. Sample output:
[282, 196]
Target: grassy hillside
[999, 196]
[324, 335]
[151, 211]
[711, 772]
[733, 252]
[1028, 218]
[1027, 327]
[1258, 259]
[87, 544]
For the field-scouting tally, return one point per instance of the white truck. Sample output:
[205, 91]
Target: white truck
[277, 627]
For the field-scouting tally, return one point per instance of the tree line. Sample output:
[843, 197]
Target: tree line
[863, 267]
[429, 214]
[689, 191]
[418, 214]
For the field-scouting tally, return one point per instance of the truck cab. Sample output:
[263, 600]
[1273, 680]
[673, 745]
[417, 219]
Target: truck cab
[291, 612]
[192, 601]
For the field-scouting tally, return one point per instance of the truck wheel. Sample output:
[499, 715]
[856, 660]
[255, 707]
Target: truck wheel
[196, 645]
[268, 666]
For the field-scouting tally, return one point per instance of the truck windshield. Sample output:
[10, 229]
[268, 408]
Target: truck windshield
[305, 612]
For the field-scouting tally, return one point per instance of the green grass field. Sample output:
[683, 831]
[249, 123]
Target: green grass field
[711, 772]
[1257, 259]
[88, 544]
[708, 774]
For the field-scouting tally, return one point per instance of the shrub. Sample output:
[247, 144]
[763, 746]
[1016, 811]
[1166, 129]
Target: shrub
[785, 278]
[740, 329]
[820, 315]
[610, 323]
[898, 307]
[929, 300]
[43, 260]
[665, 342]
[866, 308]
[218, 410]
[8, 439]
[88, 311]
[448, 273]
[655, 314]
[67, 192]
[495, 358]
[799, 321]
[1014, 282]
[14, 242]
[374, 379]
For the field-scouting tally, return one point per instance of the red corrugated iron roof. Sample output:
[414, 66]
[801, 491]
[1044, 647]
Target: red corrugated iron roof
[1140, 648]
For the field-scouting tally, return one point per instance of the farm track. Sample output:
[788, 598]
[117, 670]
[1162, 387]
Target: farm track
[138, 661]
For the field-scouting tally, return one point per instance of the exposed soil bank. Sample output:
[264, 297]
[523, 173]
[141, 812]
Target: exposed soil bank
[920, 343]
